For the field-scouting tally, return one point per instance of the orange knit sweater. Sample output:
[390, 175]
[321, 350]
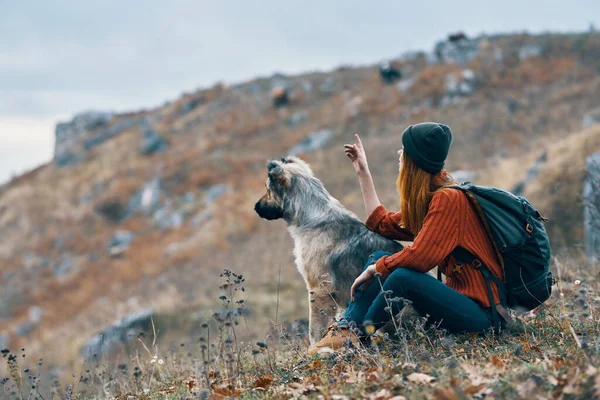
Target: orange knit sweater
[450, 222]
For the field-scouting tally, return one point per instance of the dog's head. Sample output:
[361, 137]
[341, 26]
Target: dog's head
[281, 177]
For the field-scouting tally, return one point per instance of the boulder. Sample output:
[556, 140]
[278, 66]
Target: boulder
[312, 142]
[25, 328]
[152, 142]
[214, 192]
[405, 84]
[64, 267]
[119, 243]
[591, 118]
[297, 118]
[529, 50]
[388, 73]
[123, 331]
[109, 133]
[35, 314]
[532, 173]
[67, 148]
[458, 50]
[187, 198]
[328, 85]
[190, 105]
[202, 217]
[147, 199]
[591, 208]
[167, 218]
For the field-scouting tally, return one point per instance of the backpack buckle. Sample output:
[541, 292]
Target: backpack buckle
[529, 228]
[476, 263]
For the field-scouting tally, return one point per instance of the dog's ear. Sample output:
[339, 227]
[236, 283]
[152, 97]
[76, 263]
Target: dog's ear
[277, 174]
[274, 168]
[272, 164]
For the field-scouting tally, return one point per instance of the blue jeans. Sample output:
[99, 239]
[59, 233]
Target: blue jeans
[454, 311]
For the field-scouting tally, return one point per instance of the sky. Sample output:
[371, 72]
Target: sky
[62, 57]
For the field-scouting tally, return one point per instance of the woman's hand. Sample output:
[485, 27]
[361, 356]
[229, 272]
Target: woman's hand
[356, 153]
[365, 278]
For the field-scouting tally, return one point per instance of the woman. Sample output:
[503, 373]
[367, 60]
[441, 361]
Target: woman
[438, 220]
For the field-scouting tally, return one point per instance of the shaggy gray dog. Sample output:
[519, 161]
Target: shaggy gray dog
[331, 245]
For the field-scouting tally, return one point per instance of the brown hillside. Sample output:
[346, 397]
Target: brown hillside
[54, 220]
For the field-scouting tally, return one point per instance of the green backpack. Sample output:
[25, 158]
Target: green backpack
[517, 229]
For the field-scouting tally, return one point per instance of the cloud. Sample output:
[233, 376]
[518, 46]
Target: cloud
[62, 57]
[24, 144]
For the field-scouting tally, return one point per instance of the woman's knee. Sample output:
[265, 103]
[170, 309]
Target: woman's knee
[403, 277]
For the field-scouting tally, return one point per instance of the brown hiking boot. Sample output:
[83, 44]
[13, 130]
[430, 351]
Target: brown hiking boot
[334, 339]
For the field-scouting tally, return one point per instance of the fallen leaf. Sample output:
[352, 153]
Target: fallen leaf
[383, 394]
[225, 391]
[496, 362]
[472, 389]
[420, 377]
[263, 381]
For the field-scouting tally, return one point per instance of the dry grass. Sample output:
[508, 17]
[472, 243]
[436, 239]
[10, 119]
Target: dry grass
[553, 351]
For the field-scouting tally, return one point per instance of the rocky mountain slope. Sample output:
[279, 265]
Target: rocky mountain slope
[139, 212]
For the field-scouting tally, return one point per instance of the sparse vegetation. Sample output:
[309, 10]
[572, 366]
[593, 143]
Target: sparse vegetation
[54, 250]
[553, 351]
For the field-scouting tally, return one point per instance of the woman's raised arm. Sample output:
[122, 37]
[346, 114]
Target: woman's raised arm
[356, 153]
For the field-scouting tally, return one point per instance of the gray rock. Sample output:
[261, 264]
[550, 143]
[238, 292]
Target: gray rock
[328, 86]
[307, 86]
[254, 89]
[297, 118]
[214, 192]
[64, 267]
[167, 218]
[532, 173]
[312, 142]
[35, 314]
[68, 158]
[25, 328]
[188, 198]
[147, 199]
[591, 209]
[119, 243]
[529, 50]
[123, 331]
[462, 85]
[464, 175]
[32, 260]
[191, 105]
[4, 338]
[404, 85]
[68, 133]
[152, 142]
[461, 51]
[67, 148]
[202, 217]
[109, 133]
[591, 118]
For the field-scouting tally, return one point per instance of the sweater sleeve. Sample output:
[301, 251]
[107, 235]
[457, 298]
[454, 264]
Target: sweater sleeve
[436, 240]
[387, 224]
